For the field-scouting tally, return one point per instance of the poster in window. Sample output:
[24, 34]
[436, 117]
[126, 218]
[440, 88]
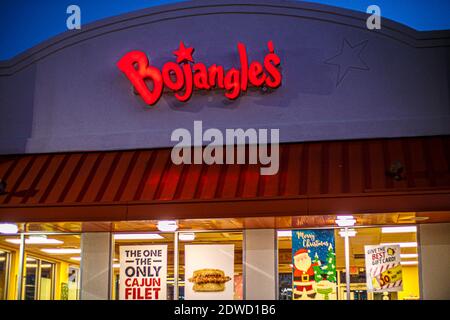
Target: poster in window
[143, 272]
[383, 268]
[209, 272]
[314, 265]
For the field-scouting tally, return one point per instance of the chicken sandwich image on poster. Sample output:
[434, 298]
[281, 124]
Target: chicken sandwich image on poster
[209, 271]
[314, 265]
[209, 280]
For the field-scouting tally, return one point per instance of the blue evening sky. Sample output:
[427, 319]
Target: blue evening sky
[26, 23]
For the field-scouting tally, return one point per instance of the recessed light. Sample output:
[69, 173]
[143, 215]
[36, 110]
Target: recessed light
[8, 228]
[187, 236]
[343, 217]
[345, 221]
[167, 225]
[75, 258]
[116, 265]
[408, 255]
[401, 244]
[284, 233]
[43, 266]
[137, 236]
[35, 240]
[61, 251]
[398, 229]
[409, 263]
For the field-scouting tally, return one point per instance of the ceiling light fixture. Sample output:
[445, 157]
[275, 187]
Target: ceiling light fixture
[61, 251]
[167, 225]
[284, 233]
[345, 221]
[35, 240]
[137, 236]
[75, 258]
[43, 266]
[398, 229]
[116, 265]
[408, 255]
[187, 236]
[401, 244]
[409, 263]
[8, 228]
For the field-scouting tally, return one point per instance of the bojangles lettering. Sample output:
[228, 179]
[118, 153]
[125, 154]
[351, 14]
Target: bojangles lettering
[183, 76]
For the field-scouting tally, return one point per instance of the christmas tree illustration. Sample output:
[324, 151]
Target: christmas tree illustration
[329, 269]
[317, 268]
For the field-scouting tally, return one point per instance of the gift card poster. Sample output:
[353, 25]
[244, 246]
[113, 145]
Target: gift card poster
[383, 268]
[314, 265]
[143, 272]
[204, 256]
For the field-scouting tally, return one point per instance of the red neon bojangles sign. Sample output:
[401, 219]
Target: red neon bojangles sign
[185, 75]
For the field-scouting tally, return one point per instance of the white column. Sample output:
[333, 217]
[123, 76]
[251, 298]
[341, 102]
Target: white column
[434, 261]
[260, 252]
[96, 265]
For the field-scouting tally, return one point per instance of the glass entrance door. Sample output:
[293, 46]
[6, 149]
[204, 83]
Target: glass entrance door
[39, 279]
[4, 272]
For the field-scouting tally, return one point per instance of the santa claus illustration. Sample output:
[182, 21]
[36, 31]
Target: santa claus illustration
[303, 274]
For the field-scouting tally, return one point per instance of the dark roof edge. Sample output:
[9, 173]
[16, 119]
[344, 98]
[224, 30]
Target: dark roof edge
[397, 31]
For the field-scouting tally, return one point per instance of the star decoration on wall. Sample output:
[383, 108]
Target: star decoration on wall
[348, 58]
[184, 54]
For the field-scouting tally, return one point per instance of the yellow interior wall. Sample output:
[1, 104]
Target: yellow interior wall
[410, 283]
[62, 275]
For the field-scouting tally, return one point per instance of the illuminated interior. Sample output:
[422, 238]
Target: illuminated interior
[53, 255]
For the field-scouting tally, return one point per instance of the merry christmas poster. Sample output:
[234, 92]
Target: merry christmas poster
[314, 265]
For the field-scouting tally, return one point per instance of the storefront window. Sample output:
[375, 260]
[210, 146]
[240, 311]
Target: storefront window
[284, 265]
[232, 277]
[143, 239]
[407, 284]
[9, 267]
[208, 264]
[403, 236]
[51, 265]
[211, 252]
[4, 273]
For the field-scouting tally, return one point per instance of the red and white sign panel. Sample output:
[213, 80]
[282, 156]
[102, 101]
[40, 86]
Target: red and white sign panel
[383, 268]
[143, 272]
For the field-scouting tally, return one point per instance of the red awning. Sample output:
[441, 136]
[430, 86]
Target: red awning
[314, 177]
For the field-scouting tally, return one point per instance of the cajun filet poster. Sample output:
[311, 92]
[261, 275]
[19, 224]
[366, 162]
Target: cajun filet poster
[143, 272]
